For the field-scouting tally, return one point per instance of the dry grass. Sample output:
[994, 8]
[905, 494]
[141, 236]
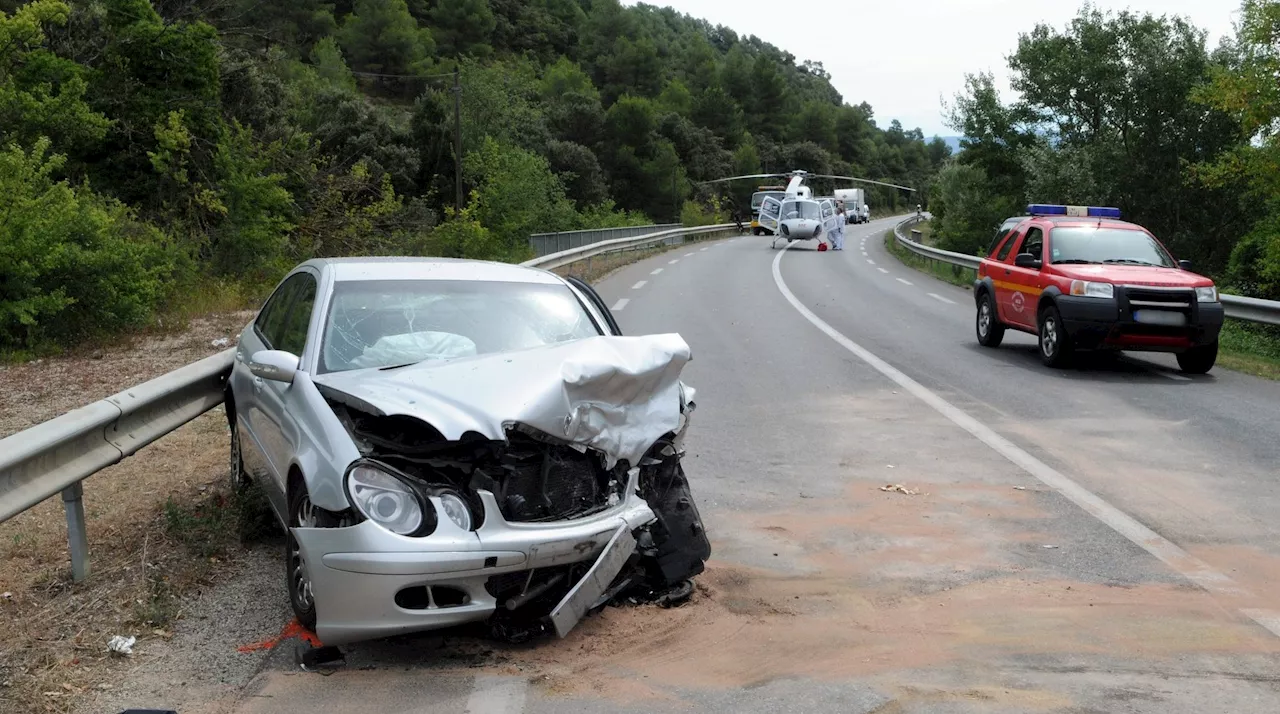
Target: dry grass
[140, 517]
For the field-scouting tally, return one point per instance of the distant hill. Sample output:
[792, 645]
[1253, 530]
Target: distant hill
[953, 142]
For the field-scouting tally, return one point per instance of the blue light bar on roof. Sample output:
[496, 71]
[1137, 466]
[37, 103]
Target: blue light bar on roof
[1049, 209]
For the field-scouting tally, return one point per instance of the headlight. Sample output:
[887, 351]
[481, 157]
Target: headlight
[385, 499]
[1084, 288]
[456, 509]
[1209, 294]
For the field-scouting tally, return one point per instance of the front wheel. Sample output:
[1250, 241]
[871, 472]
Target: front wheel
[990, 331]
[302, 514]
[1199, 360]
[1055, 344]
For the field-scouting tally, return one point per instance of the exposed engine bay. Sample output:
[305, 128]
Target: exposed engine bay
[537, 478]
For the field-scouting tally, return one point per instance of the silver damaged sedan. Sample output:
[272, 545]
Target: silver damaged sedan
[450, 441]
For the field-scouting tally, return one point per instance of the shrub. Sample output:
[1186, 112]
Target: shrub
[72, 263]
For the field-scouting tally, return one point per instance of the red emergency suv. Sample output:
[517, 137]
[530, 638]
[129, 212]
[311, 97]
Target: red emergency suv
[1080, 278]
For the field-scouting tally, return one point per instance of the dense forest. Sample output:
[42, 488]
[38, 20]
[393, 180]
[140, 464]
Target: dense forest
[157, 155]
[1134, 111]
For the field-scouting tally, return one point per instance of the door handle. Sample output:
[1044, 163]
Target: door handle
[257, 384]
[1007, 271]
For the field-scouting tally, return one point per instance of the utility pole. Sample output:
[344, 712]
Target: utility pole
[457, 138]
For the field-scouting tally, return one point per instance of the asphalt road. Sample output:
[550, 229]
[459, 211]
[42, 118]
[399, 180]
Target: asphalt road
[1091, 540]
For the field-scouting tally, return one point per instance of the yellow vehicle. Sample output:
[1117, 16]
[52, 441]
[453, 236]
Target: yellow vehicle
[758, 198]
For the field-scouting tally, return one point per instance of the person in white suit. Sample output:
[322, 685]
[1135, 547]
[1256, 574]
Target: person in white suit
[837, 233]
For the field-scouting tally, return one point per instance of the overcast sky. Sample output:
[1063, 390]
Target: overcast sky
[903, 58]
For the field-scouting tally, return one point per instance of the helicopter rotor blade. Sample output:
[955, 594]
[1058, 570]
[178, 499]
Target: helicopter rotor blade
[738, 178]
[863, 180]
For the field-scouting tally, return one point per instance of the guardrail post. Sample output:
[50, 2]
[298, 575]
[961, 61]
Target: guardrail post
[77, 537]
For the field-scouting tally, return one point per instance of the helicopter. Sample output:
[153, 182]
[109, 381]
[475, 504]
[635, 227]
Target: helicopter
[797, 215]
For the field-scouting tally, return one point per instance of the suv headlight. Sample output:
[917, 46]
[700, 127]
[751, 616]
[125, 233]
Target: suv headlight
[1209, 294]
[385, 499]
[1085, 288]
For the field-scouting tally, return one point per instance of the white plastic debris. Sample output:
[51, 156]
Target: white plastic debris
[1050, 547]
[1019, 488]
[120, 645]
[221, 342]
[899, 488]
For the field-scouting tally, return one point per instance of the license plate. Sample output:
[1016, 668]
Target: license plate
[1159, 317]
[588, 590]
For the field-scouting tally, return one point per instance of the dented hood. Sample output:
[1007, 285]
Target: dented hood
[615, 394]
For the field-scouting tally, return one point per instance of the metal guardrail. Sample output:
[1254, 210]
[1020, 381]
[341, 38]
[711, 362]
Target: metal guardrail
[1238, 307]
[586, 252]
[57, 455]
[548, 243]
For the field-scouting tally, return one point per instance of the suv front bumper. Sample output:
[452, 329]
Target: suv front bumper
[1116, 323]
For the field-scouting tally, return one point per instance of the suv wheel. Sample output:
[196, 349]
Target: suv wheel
[1199, 360]
[1055, 344]
[990, 330]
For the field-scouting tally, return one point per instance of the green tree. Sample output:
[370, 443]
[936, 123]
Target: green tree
[382, 37]
[462, 27]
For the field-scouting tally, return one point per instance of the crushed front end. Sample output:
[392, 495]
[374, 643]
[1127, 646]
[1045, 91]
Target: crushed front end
[527, 533]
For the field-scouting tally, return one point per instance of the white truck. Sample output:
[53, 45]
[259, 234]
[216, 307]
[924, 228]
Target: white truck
[855, 204]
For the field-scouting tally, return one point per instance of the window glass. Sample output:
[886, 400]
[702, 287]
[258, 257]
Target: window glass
[270, 322]
[1034, 244]
[1125, 246]
[293, 336]
[390, 323]
[1002, 232]
[1008, 246]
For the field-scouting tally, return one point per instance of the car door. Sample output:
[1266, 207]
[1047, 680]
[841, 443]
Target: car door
[1024, 284]
[770, 213]
[260, 335]
[277, 426]
[829, 218]
[1000, 270]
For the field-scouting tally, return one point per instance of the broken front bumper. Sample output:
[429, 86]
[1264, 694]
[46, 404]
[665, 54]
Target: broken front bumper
[370, 583]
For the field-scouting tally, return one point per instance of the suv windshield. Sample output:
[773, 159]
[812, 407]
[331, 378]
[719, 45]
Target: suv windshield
[388, 323]
[1124, 246]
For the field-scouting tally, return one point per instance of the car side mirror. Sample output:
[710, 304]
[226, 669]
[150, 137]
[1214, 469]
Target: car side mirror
[1184, 264]
[276, 365]
[1026, 260]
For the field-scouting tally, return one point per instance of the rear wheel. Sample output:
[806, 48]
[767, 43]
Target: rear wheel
[1055, 344]
[990, 331]
[1199, 360]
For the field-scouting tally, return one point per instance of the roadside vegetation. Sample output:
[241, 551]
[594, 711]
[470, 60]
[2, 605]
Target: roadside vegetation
[160, 159]
[1134, 111]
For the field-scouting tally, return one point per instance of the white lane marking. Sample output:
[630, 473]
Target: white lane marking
[1179, 560]
[939, 298]
[659, 270]
[904, 282]
[883, 271]
[870, 261]
[620, 304]
[688, 255]
[700, 250]
[673, 262]
[497, 694]
[639, 285]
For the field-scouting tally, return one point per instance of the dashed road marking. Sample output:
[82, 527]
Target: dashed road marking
[659, 270]
[639, 285]
[673, 262]
[1163, 549]
[939, 298]
[700, 250]
[620, 304]
[883, 271]
[688, 255]
[870, 261]
[904, 282]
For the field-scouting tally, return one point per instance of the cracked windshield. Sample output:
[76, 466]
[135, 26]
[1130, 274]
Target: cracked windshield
[347, 357]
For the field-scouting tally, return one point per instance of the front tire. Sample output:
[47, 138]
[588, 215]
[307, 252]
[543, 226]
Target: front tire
[987, 324]
[1055, 343]
[302, 514]
[1199, 360]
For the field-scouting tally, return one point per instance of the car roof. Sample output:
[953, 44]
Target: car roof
[417, 268]
[1079, 221]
